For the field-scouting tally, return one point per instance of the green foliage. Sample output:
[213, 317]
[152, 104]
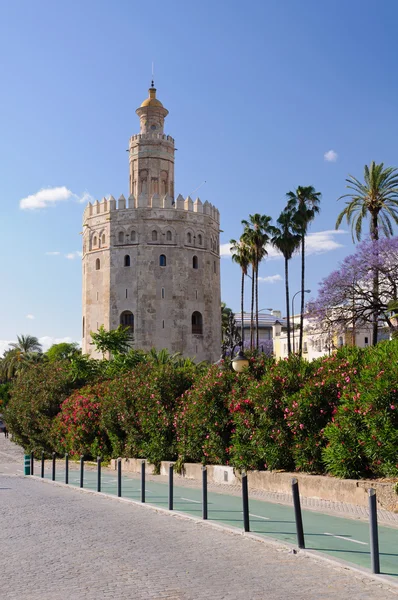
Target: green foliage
[130, 415]
[4, 394]
[36, 397]
[363, 434]
[338, 414]
[114, 341]
[63, 351]
[203, 424]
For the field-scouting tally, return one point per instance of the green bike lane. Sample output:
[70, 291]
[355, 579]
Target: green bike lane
[337, 537]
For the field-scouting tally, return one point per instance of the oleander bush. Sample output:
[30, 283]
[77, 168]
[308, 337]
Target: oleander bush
[337, 414]
[36, 396]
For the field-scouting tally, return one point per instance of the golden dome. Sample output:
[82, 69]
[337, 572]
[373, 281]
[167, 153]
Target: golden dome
[152, 100]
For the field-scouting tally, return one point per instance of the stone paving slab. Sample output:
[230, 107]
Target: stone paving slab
[61, 543]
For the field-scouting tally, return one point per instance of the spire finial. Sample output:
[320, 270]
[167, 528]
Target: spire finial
[153, 77]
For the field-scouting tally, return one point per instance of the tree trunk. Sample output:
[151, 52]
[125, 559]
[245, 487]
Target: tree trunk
[252, 312]
[375, 236]
[242, 298]
[302, 293]
[257, 307]
[289, 347]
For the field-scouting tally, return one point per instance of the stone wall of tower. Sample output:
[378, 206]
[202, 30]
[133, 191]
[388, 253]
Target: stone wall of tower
[161, 298]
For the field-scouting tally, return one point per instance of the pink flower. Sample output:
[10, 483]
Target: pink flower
[301, 426]
[392, 407]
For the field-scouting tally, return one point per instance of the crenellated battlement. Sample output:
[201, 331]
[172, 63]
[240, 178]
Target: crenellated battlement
[138, 137]
[108, 205]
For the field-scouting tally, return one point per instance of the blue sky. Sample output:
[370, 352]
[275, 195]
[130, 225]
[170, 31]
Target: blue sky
[257, 94]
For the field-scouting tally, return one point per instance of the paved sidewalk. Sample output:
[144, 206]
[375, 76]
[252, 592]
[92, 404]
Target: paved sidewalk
[61, 543]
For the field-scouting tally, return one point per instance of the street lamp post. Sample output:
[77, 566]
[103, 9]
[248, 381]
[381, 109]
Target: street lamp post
[306, 292]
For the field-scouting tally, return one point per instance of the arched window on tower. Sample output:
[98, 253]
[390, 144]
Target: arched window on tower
[162, 260]
[197, 323]
[103, 239]
[189, 238]
[154, 236]
[200, 240]
[127, 260]
[127, 320]
[133, 236]
[97, 264]
[95, 241]
[121, 237]
[169, 236]
[195, 263]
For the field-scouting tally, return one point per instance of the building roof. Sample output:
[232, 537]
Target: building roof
[265, 320]
[152, 100]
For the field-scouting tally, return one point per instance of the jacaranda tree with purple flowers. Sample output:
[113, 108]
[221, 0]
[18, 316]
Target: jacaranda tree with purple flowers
[346, 297]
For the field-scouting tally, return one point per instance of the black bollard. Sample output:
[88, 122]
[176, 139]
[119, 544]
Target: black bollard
[171, 486]
[66, 468]
[245, 498]
[143, 481]
[99, 473]
[32, 462]
[374, 535]
[204, 492]
[119, 477]
[81, 470]
[297, 513]
[42, 465]
[53, 469]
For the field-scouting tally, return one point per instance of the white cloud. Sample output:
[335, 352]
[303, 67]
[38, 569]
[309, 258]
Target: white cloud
[330, 156]
[47, 341]
[30, 317]
[85, 198]
[53, 253]
[73, 255]
[323, 241]
[45, 197]
[225, 250]
[5, 345]
[315, 243]
[270, 279]
[51, 196]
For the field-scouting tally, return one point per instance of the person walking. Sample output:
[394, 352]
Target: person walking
[5, 432]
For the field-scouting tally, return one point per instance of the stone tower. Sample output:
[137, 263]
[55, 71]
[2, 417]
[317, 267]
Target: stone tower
[153, 263]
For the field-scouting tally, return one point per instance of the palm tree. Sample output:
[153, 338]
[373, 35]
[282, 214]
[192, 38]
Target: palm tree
[225, 312]
[241, 256]
[27, 343]
[286, 239]
[378, 198]
[305, 204]
[256, 235]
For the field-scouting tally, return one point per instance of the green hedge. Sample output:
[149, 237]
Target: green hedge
[337, 414]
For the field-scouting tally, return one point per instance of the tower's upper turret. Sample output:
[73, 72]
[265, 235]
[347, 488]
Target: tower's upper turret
[152, 113]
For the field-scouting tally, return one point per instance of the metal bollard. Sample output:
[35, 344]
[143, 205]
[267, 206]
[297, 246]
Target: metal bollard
[53, 470]
[26, 464]
[32, 462]
[374, 535]
[245, 498]
[99, 473]
[297, 513]
[42, 465]
[204, 492]
[66, 468]
[171, 486]
[143, 481]
[119, 477]
[81, 470]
